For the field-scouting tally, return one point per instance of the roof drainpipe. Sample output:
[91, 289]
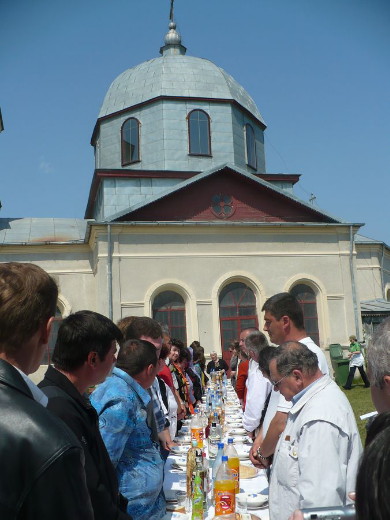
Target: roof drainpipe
[354, 299]
[109, 271]
[382, 267]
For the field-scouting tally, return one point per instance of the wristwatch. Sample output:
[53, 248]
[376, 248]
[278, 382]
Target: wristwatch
[260, 456]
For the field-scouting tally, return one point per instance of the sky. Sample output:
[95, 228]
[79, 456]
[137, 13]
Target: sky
[318, 70]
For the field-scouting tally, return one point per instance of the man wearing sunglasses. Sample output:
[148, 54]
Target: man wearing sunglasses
[317, 455]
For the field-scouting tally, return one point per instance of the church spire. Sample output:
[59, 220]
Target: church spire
[172, 39]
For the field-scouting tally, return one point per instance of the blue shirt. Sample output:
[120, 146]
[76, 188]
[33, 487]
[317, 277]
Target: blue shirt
[121, 404]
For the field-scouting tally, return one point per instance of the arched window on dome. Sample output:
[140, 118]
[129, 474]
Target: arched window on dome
[130, 141]
[250, 141]
[307, 298]
[199, 133]
[169, 308]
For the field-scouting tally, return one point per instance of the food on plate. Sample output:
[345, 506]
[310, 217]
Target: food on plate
[247, 471]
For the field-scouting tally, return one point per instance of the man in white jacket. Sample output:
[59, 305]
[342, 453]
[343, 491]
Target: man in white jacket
[317, 456]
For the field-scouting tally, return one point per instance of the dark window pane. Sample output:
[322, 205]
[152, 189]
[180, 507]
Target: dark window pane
[250, 146]
[199, 132]
[130, 141]
[307, 298]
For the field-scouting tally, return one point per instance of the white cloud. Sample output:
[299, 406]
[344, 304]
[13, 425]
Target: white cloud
[45, 166]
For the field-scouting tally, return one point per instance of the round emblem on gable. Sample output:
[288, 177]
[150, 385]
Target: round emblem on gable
[222, 205]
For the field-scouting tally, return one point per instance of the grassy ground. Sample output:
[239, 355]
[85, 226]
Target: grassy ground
[360, 399]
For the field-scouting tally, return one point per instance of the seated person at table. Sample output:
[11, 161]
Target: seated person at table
[216, 364]
[130, 432]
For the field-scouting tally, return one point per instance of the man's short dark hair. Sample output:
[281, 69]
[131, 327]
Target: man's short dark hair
[81, 333]
[285, 304]
[265, 357]
[142, 326]
[28, 298]
[293, 355]
[135, 355]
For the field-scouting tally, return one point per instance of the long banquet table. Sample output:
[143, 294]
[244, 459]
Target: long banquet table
[175, 479]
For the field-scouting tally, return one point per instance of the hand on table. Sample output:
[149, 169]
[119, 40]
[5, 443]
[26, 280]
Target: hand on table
[297, 515]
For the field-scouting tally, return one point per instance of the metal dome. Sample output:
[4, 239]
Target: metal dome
[174, 75]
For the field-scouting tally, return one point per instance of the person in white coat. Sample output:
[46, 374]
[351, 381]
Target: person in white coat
[317, 456]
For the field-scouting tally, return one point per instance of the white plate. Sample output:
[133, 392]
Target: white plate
[180, 461]
[179, 450]
[253, 500]
[174, 515]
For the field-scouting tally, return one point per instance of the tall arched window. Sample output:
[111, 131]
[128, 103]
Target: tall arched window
[307, 298]
[237, 311]
[169, 308]
[250, 140]
[52, 338]
[130, 141]
[199, 133]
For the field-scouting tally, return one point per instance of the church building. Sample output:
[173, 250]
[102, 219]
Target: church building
[184, 224]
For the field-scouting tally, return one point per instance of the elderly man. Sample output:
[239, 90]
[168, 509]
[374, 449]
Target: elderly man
[216, 364]
[316, 458]
[378, 367]
[258, 387]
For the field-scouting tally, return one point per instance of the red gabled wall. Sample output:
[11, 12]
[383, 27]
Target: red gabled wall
[252, 202]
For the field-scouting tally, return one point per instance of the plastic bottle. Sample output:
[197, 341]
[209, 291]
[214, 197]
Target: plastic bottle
[233, 462]
[190, 467]
[197, 499]
[218, 460]
[224, 490]
[197, 429]
[214, 440]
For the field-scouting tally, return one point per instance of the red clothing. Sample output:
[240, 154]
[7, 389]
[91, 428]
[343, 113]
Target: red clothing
[166, 376]
[242, 376]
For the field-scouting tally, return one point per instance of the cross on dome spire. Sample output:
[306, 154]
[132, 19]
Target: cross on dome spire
[172, 39]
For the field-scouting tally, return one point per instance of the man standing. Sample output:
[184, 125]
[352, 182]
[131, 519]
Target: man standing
[122, 402]
[84, 354]
[317, 456]
[258, 387]
[283, 321]
[148, 329]
[42, 473]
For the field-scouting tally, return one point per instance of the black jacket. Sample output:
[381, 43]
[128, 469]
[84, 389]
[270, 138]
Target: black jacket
[41, 463]
[66, 402]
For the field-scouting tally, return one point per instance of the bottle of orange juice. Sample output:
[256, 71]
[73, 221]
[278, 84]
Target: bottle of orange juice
[197, 433]
[224, 490]
[233, 462]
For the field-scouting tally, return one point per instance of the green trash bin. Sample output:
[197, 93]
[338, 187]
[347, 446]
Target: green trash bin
[340, 364]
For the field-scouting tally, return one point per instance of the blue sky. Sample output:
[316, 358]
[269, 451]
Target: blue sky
[319, 71]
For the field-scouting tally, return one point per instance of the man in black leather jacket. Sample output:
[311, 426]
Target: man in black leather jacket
[84, 354]
[42, 473]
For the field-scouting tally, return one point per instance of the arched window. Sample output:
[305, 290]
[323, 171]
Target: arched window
[52, 338]
[199, 133]
[237, 311]
[130, 141]
[169, 308]
[307, 298]
[250, 140]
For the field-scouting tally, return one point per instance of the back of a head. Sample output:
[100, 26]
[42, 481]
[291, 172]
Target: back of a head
[378, 354]
[28, 298]
[265, 357]
[255, 342]
[81, 333]
[373, 479]
[135, 355]
[285, 304]
[142, 326]
[293, 355]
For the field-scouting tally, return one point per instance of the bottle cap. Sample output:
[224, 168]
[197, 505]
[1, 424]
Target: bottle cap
[194, 443]
[230, 441]
[224, 458]
[220, 445]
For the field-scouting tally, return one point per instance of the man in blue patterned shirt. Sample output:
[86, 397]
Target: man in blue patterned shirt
[123, 404]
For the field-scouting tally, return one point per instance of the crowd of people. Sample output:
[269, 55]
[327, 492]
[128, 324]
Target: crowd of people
[69, 456]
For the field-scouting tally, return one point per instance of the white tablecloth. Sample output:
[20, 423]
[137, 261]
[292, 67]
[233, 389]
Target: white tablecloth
[175, 481]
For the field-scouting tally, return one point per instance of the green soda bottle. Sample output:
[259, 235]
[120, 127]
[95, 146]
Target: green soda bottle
[197, 499]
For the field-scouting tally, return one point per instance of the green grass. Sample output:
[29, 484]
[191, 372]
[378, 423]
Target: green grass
[360, 399]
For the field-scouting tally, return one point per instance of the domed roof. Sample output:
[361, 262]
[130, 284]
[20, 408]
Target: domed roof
[174, 75]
